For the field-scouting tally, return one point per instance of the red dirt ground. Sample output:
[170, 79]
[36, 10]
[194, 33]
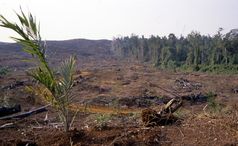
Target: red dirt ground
[113, 85]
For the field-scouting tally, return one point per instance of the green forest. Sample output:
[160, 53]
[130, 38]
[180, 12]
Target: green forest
[195, 52]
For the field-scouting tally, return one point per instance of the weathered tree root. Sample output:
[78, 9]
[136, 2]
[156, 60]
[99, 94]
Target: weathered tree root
[165, 116]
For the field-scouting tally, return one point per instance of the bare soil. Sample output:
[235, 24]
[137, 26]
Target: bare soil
[110, 95]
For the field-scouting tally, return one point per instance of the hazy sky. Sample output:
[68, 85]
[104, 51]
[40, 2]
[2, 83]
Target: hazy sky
[104, 19]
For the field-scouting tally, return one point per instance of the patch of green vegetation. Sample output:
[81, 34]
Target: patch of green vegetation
[217, 69]
[102, 121]
[5, 101]
[4, 71]
[182, 113]
[220, 69]
[213, 105]
[160, 97]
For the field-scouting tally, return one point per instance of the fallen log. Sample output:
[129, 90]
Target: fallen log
[26, 114]
[4, 111]
[165, 116]
[195, 98]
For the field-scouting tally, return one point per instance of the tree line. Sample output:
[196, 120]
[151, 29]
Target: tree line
[195, 51]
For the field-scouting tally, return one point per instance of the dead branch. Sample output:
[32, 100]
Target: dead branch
[26, 114]
[7, 125]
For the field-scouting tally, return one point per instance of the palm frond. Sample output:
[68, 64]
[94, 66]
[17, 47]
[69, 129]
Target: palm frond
[67, 70]
[43, 77]
[58, 87]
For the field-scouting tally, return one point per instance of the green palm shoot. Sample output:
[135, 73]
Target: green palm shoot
[59, 86]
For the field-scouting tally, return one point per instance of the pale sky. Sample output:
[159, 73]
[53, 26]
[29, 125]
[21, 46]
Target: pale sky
[105, 19]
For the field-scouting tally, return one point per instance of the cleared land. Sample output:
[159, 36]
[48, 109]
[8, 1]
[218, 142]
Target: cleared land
[110, 94]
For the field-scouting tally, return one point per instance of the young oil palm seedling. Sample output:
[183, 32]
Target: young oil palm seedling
[57, 86]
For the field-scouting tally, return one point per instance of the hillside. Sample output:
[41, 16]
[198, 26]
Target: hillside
[11, 53]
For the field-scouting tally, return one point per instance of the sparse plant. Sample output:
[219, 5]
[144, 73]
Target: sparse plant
[3, 71]
[57, 86]
[134, 115]
[182, 113]
[213, 105]
[5, 101]
[102, 121]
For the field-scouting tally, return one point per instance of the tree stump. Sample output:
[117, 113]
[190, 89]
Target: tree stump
[165, 116]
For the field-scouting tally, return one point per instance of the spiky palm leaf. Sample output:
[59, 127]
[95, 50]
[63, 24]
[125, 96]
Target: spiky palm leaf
[66, 71]
[65, 82]
[29, 38]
